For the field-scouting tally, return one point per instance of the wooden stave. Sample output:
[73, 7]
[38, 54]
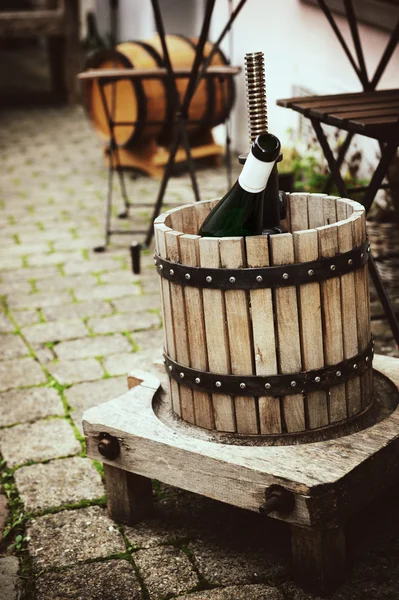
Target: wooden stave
[204, 207]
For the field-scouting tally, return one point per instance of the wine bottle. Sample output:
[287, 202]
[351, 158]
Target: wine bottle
[240, 211]
[93, 41]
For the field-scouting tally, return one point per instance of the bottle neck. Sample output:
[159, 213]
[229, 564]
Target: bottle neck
[255, 174]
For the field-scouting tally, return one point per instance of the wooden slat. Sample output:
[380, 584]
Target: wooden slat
[189, 221]
[332, 321]
[337, 107]
[305, 101]
[342, 209]
[330, 210]
[289, 348]
[203, 209]
[232, 256]
[217, 336]
[315, 210]
[160, 232]
[349, 324]
[306, 249]
[180, 326]
[263, 335]
[189, 254]
[299, 212]
[358, 113]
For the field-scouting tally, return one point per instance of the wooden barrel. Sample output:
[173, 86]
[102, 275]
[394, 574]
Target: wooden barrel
[150, 99]
[270, 336]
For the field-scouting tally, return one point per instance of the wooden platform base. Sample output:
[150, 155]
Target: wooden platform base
[330, 480]
[152, 159]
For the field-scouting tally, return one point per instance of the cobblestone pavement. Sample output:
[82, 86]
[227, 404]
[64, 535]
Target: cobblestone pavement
[72, 324]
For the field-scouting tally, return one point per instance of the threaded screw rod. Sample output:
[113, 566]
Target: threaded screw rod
[256, 94]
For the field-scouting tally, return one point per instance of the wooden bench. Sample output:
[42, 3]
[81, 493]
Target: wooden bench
[61, 27]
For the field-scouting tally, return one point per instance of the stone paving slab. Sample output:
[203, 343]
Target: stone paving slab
[89, 347]
[55, 332]
[39, 300]
[78, 310]
[5, 324]
[121, 364]
[42, 440]
[110, 580]
[127, 304]
[29, 316]
[166, 571]
[67, 372]
[21, 372]
[72, 536]
[243, 592]
[12, 346]
[20, 406]
[59, 482]
[9, 581]
[135, 321]
[107, 291]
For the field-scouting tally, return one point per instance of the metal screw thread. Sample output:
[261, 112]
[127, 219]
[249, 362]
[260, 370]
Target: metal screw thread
[256, 93]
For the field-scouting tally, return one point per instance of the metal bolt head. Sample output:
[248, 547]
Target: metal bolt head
[181, 375]
[232, 279]
[171, 272]
[338, 373]
[218, 384]
[259, 278]
[367, 358]
[332, 267]
[170, 367]
[187, 276]
[362, 255]
[160, 267]
[209, 279]
[268, 386]
[350, 262]
[293, 383]
[108, 446]
[368, 248]
[155, 261]
[285, 276]
[355, 366]
[310, 272]
[242, 386]
[317, 379]
[197, 380]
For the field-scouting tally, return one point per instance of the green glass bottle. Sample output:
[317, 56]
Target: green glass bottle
[240, 211]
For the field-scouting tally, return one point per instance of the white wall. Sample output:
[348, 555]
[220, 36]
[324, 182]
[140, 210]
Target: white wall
[300, 50]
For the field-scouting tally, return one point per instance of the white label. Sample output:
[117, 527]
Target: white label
[255, 174]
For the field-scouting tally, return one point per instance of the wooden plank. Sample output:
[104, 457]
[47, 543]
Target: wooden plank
[342, 209]
[179, 324]
[217, 336]
[362, 303]
[160, 233]
[232, 256]
[315, 210]
[189, 254]
[348, 311]
[289, 347]
[189, 220]
[308, 101]
[332, 320]
[203, 209]
[299, 212]
[306, 249]
[129, 496]
[330, 209]
[263, 335]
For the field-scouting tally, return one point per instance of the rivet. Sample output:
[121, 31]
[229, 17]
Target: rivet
[310, 272]
[293, 383]
[285, 275]
[181, 375]
[164, 360]
[209, 279]
[259, 278]
[170, 367]
[317, 379]
[355, 366]
[218, 384]
[268, 386]
[187, 276]
[362, 255]
[368, 248]
[338, 373]
[197, 380]
[242, 386]
[350, 262]
[171, 272]
[367, 358]
[160, 267]
[232, 279]
[332, 268]
[155, 261]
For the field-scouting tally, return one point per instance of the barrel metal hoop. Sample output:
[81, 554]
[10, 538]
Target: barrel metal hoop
[264, 277]
[302, 382]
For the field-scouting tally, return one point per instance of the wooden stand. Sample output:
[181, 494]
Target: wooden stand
[330, 480]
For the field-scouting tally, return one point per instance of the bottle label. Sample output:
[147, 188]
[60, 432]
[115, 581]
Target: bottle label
[255, 174]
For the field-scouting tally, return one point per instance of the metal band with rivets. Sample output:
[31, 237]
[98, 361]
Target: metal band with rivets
[264, 277]
[271, 385]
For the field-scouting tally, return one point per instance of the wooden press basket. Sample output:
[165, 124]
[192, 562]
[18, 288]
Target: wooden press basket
[257, 343]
